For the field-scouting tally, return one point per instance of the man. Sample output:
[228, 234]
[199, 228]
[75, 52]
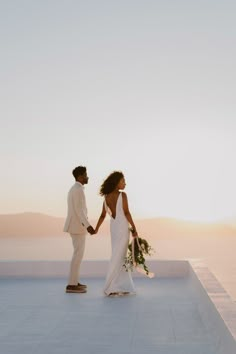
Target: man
[77, 225]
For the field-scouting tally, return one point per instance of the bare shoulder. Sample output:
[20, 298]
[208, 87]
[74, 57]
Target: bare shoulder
[124, 196]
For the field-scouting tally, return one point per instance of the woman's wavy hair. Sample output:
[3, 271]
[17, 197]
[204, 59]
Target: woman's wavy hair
[111, 182]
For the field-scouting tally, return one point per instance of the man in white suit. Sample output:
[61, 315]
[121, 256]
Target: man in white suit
[77, 225]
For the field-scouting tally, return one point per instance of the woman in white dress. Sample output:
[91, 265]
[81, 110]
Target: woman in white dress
[118, 280]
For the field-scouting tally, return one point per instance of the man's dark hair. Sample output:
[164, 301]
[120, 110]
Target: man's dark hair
[78, 171]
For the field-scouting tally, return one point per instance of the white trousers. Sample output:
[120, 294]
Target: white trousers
[78, 242]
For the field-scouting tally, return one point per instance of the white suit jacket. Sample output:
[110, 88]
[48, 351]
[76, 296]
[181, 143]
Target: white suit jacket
[77, 219]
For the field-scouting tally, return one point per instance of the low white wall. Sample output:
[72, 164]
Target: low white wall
[161, 268]
[216, 307]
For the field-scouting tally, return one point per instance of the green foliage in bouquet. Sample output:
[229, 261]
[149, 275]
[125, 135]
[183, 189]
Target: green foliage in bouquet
[141, 248]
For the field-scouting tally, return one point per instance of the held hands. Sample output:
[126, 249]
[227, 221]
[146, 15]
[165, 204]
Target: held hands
[91, 230]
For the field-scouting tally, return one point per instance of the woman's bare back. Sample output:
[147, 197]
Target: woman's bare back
[111, 201]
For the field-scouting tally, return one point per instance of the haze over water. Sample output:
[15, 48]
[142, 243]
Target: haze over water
[214, 244]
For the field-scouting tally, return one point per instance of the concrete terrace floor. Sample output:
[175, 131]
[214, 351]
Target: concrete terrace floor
[166, 317]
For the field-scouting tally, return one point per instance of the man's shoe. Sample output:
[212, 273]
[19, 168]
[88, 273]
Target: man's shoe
[75, 289]
[82, 285]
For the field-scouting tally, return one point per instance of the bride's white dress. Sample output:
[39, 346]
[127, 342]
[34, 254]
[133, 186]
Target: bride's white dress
[118, 279]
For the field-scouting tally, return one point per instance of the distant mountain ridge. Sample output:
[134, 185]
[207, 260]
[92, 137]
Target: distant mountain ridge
[30, 224]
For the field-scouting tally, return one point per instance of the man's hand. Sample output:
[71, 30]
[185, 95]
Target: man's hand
[91, 230]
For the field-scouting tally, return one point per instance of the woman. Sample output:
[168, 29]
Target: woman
[118, 280]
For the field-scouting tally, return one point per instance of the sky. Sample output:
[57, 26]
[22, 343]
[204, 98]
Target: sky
[145, 87]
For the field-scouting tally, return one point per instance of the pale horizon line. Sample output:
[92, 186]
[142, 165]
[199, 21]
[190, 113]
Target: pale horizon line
[163, 217]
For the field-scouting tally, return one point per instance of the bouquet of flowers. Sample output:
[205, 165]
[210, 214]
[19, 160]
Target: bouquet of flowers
[137, 248]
